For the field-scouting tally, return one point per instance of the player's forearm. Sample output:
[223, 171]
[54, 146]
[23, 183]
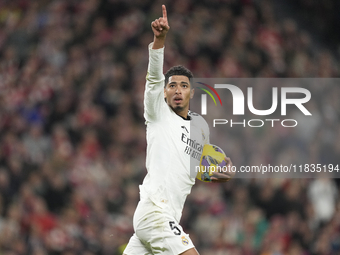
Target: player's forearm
[158, 42]
[156, 54]
[160, 28]
[153, 96]
[155, 67]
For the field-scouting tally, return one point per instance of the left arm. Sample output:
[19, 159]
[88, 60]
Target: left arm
[220, 176]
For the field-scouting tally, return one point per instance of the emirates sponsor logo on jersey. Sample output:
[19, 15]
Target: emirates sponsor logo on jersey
[192, 143]
[193, 148]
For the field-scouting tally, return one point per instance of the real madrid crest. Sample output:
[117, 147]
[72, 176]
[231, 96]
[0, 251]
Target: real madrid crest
[185, 240]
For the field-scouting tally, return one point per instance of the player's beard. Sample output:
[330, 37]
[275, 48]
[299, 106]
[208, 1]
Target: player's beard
[177, 108]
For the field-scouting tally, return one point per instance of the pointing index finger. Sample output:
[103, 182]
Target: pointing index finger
[164, 11]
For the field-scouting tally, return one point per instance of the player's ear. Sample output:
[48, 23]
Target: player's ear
[192, 92]
[164, 94]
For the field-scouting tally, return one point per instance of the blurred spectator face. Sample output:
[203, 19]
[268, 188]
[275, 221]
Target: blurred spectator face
[4, 180]
[36, 131]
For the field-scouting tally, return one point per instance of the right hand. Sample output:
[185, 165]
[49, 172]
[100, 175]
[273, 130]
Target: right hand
[160, 27]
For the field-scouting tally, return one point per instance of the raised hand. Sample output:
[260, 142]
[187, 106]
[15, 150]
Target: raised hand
[160, 27]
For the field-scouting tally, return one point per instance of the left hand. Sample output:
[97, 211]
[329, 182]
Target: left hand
[223, 176]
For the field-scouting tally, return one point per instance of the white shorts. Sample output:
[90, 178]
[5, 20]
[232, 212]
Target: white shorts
[156, 232]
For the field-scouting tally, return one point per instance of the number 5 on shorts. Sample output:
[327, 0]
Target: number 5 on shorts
[175, 228]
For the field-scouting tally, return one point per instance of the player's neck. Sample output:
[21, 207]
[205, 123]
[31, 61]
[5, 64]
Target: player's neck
[183, 113]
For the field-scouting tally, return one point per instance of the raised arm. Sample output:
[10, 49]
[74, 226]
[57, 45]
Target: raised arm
[154, 89]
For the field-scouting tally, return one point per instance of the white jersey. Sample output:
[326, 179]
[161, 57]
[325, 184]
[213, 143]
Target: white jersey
[170, 144]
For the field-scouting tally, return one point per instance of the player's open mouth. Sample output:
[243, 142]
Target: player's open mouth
[178, 100]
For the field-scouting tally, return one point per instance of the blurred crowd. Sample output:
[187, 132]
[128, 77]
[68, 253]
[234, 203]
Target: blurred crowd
[323, 16]
[72, 151]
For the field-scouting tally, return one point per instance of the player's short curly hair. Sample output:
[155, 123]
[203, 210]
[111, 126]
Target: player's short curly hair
[177, 70]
